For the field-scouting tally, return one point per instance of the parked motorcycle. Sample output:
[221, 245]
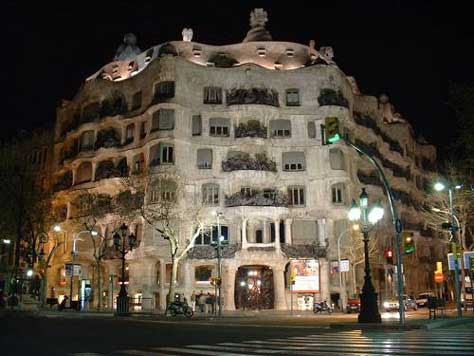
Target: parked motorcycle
[320, 307]
[177, 307]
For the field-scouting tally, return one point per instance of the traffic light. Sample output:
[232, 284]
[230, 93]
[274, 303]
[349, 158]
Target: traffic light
[408, 242]
[389, 255]
[331, 130]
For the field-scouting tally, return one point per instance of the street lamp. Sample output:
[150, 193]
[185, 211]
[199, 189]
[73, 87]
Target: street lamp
[369, 312]
[439, 186]
[123, 244]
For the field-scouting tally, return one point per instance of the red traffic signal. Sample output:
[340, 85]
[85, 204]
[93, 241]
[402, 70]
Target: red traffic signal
[389, 255]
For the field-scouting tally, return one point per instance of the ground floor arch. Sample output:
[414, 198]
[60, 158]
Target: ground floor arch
[254, 288]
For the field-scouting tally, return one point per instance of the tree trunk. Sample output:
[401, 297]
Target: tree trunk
[44, 288]
[174, 274]
[99, 286]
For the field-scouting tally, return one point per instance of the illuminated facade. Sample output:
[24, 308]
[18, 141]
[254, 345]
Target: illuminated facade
[243, 124]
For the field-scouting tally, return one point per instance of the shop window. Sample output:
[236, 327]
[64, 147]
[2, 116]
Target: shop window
[163, 190]
[204, 158]
[203, 274]
[293, 161]
[219, 127]
[210, 194]
[280, 128]
[167, 153]
[212, 95]
[209, 236]
[336, 159]
[292, 97]
[296, 196]
[197, 125]
[338, 193]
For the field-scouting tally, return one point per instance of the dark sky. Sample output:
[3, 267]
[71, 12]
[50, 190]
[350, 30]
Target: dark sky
[407, 49]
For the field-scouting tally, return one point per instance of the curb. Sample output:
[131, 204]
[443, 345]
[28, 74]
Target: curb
[429, 325]
[448, 322]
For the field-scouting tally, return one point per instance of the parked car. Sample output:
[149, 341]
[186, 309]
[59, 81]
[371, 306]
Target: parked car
[392, 304]
[422, 300]
[353, 305]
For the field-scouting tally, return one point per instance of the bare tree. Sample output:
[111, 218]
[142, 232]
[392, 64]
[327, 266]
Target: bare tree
[165, 207]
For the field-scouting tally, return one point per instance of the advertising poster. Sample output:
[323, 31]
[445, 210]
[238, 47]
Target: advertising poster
[305, 274]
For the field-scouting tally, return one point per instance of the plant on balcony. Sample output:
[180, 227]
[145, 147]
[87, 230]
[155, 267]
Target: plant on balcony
[115, 104]
[63, 182]
[265, 197]
[260, 163]
[332, 97]
[107, 138]
[253, 128]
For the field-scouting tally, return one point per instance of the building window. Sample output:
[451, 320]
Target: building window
[167, 153]
[293, 161]
[208, 236]
[163, 119]
[296, 196]
[204, 158]
[219, 127]
[336, 159]
[212, 95]
[311, 129]
[292, 97]
[138, 163]
[197, 125]
[210, 194]
[259, 236]
[163, 190]
[137, 100]
[87, 141]
[338, 193]
[143, 130]
[129, 134]
[84, 173]
[164, 90]
[203, 274]
[280, 128]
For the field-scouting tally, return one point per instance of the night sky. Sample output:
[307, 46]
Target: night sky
[409, 51]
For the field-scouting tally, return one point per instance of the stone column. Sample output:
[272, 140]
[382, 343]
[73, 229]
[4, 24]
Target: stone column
[288, 237]
[276, 222]
[94, 166]
[324, 279]
[322, 232]
[266, 232]
[244, 234]
[279, 288]
[228, 287]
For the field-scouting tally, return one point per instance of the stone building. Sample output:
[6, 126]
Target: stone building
[243, 125]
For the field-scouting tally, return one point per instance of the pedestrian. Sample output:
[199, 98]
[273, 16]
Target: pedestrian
[210, 303]
[202, 302]
[193, 301]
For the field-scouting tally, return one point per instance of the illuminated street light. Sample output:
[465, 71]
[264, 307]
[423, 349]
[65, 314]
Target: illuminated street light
[57, 228]
[439, 186]
[6, 241]
[29, 273]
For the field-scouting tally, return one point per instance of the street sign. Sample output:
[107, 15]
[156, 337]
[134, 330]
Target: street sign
[438, 277]
[451, 262]
[344, 267]
[69, 269]
[467, 256]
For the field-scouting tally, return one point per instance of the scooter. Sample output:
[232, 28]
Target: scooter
[319, 307]
[177, 307]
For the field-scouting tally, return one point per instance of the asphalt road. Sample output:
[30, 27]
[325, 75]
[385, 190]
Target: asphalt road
[29, 335]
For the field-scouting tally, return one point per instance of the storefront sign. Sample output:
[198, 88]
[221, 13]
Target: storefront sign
[305, 274]
[344, 267]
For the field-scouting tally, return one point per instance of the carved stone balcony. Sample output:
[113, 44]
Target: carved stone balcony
[263, 96]
[260, 163]
[266, 197]
[252, 128]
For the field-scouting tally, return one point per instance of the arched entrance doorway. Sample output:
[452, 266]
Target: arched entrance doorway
[254, 287]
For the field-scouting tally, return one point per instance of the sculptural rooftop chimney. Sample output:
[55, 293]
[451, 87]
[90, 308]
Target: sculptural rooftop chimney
[258, 32]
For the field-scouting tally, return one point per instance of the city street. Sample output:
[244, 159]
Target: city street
[25, 334]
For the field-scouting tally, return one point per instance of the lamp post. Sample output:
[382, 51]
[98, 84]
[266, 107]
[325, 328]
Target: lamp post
[218, 245]
[339, 238]
[453, 228]
[123, 245]
[369, 312]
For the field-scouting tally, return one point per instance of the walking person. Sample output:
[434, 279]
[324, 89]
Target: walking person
[193, 301]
